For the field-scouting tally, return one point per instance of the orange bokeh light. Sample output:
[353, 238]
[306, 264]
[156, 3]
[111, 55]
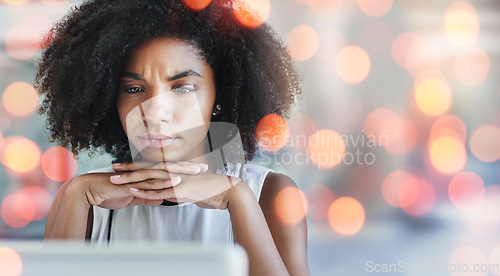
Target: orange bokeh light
[41, 199]
[19, 154]
[301, 128]
[252, 13]
[408, 50]
[400, 189]
[272, 132]
[396, 134]
[424, 201]
[20, 98]
[326, 148]
[447, 154]
[461, 23]
[484, 143]
[375, 8]
[197, 5]
[466, 191]
[10, 262]
[59, 164]
[320, 197]
[352, 64]
[291, 205]
[433, 96]
[346, 216]
[17, 210]
[448, 125]
[324, 7]
[472, 67]
[23, 41]
[303, 42]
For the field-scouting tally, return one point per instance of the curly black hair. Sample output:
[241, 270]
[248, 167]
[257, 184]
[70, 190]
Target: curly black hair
[78, 72]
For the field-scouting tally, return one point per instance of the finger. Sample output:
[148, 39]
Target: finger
[156, 184]
[185, 167]
[141, 175]
[131, 166]
[154, 194]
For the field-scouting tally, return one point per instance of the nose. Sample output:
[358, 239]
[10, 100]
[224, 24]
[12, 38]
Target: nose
[158, 109]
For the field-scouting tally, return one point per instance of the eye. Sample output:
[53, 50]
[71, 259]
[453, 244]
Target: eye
[134, 90]
[184, 89]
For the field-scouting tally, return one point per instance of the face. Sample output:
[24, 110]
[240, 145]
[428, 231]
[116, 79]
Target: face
[165, 100]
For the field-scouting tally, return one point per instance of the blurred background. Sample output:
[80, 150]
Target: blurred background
[395, 146]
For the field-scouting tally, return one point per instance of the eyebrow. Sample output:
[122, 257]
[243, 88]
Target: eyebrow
[181, 75]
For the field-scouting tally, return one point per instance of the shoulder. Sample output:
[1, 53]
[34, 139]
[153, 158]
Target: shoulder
[273, 184]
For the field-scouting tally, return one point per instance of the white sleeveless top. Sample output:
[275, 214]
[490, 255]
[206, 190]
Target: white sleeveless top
[182, 222]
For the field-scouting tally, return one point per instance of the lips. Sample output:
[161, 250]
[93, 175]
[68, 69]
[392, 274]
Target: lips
[157, 140]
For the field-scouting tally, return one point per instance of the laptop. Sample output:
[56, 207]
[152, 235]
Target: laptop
[126, 258]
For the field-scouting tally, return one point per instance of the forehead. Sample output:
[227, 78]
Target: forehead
[165, 52]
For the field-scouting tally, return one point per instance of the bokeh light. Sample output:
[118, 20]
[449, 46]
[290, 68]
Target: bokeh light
[424, 201]
[20, 154]
[54, 3]
[17, 210]
[320, 198]
[326, 148]
[40, 198]
[272, 132]
[448, 125]
[396, 134]
[303, 42]
[467, 257]
[14, 2]
[23, 42]
[486, 217]
[495, 257]
[59, 164]
[484, 143]
[447, 154]
[472, 66]
[197, 5]
[461, 23]
[466, 191]
[346, 216]
[400, 189]
[408, 50]
[433, 96]
[20, 98]
[375, 8]
[10, 262]
[352, 64]
[301, 128]
[252, 13]
[291, 205]
[324, 7]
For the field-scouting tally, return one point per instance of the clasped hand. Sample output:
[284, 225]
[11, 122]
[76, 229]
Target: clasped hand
[148, 184]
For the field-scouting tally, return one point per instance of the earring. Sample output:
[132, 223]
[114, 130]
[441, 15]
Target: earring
[218, 107]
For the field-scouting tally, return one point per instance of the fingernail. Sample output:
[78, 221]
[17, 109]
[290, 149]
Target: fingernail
[204, 167]
[134, 189]
[114, 177]
[116, 165]
[176, 180]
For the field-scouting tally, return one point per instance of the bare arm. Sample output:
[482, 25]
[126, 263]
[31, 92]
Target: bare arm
[251, 231]
[290, 239]
[68, 216]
